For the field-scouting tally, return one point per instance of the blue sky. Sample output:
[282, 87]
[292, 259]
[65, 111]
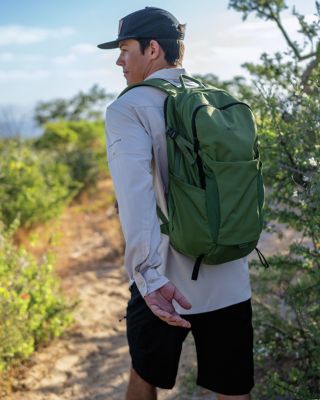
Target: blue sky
[48, 48]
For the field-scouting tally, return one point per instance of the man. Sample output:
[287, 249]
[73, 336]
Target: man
[165, 302]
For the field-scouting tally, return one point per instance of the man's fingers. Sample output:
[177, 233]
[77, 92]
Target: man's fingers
[182, 324]
[170, 319]
[160, 303]
[180, 299]
[159, 312]
[179, 322]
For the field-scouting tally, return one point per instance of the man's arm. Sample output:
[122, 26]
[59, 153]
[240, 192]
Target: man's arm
[129, 149]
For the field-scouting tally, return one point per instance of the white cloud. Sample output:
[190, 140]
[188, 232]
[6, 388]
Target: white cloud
[97, 73]
[6, 57]
[65, 60]
[84, 48]
[78, 50]
[15, 34]
[10, 57]
[31, 57]
[230, 47]
[245, 34]
[23, 75]
[38, 74]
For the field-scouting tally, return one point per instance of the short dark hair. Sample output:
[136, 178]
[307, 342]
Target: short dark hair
[173, 49]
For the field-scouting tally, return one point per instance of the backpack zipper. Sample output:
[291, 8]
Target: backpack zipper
[233, 104]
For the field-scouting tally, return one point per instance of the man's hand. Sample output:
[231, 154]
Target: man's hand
[160, 303]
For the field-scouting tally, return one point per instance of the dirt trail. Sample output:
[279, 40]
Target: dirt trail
[90, 361]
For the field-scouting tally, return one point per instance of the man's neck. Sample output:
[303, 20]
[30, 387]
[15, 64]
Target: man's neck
[160, 67]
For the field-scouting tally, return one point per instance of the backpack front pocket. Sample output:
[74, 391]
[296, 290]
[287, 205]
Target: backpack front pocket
[188, 222]
[236, 184]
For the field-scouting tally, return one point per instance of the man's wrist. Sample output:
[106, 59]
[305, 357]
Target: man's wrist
[149, 281]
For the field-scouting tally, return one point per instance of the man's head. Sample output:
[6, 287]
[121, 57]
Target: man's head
[149, 39]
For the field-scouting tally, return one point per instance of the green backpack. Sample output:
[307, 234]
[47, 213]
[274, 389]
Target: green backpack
[216, 193]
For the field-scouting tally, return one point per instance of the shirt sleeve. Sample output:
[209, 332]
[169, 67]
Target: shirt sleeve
[129, 152]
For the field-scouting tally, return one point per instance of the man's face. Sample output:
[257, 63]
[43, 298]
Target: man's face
[135, 65]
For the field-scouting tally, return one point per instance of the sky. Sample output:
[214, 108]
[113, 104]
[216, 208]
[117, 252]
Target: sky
[48, 48]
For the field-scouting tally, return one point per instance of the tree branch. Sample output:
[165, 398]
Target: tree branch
[296, 51]
[308, 71]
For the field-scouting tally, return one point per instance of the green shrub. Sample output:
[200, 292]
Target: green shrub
[84, 166]
[68, 135]
[57, 135]
[287, 327]
[286, 101]
[38, 178]
[32, 308]
[78, 144]
[33, 184]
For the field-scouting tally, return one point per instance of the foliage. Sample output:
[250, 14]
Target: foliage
[286, 101]
[80, 145]
[38, 178]
[32, 308]
[65, 135]
[237, 85]
[33, 185]
[81, 106]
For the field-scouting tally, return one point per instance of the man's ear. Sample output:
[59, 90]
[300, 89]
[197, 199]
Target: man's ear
[154, 49]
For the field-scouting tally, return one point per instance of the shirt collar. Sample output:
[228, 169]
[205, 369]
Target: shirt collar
[167, 73]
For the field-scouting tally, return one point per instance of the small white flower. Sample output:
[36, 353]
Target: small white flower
[313, 162]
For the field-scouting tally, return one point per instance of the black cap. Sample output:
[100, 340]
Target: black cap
[148, 23]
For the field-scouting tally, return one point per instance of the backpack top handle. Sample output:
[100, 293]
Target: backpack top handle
[184, 77]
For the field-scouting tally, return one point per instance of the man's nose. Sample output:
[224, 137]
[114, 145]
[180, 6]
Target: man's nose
[119, 61]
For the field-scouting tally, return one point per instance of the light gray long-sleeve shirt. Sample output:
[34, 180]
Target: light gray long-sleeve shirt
[137, 158]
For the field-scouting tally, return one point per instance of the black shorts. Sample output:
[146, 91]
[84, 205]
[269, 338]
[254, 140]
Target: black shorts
[223, 340]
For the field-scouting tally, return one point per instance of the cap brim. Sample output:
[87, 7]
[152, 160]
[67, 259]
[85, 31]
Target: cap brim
[109, 45]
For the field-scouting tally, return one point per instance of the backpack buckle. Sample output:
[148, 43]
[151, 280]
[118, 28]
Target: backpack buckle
[172, 133]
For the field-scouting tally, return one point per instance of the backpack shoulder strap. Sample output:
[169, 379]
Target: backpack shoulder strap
[166, 86]
[162, 84]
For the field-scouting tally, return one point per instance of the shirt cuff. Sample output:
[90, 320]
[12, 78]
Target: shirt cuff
[149, 281]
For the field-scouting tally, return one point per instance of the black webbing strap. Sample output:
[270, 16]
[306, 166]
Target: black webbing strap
[196, 268]
[201, 171]
[164, 227]
[262, 258]
[197, 146]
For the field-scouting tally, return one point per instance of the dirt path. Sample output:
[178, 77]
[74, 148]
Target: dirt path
[90, 361]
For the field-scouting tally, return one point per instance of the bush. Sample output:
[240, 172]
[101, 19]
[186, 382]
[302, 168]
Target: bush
[68, 135]
[286, 100]
[33, 184]
[32, 308]
[287, 295]
[78, 144]
[38, 178]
